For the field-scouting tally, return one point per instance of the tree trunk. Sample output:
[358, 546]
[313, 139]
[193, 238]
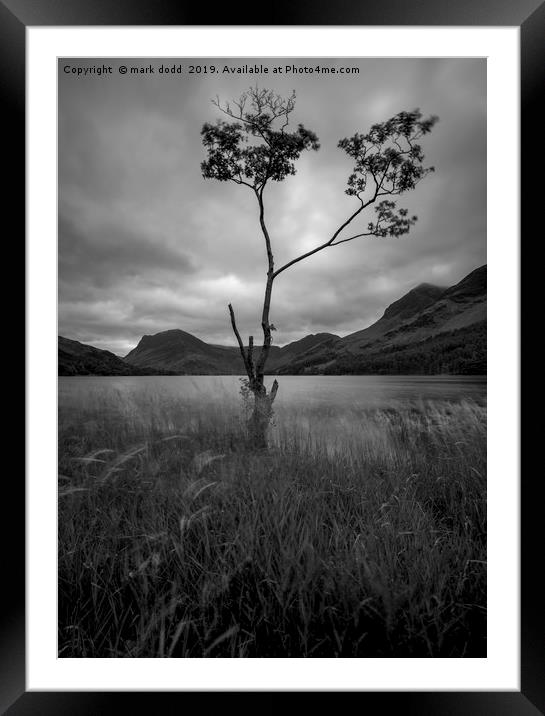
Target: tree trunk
[260, 419]
[258, 423]
[262, 411]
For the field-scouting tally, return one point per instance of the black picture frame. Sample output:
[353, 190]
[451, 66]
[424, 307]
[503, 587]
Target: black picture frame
[15, 17]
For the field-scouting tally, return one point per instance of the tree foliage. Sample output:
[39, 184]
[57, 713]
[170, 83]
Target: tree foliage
[258, 147]
[390, 161]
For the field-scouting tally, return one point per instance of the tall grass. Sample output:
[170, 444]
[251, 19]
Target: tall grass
[358, 534]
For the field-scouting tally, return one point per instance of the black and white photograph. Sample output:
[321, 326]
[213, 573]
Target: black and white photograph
[272, 357]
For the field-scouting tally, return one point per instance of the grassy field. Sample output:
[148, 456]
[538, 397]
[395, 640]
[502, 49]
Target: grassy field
[358, 534]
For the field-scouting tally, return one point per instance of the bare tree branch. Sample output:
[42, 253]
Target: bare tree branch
[250, 366]
[262, 100]
[351, 238]
[274, 390]
[330, 241]
[241, 181]
[239, 340]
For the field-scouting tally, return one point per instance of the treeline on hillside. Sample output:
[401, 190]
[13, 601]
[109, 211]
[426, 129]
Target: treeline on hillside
[458, 352]
[91, 365]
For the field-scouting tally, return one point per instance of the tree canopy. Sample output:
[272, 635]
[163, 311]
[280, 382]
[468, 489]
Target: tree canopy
[263, 116]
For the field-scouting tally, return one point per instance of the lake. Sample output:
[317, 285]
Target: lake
[315, 391]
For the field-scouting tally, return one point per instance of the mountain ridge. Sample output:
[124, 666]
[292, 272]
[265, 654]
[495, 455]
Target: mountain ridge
[429, 329]
[458, 312]
[75, 358]
[178, 350]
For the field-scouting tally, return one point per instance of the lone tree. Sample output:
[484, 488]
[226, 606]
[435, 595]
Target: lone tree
[255, 147]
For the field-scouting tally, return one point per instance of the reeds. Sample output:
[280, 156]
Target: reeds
[360, 533]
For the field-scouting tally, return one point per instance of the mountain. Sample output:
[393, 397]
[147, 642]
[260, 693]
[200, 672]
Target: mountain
[180, 352]
[299, 349]
[402, 310]
[429, 330]
[75, 358]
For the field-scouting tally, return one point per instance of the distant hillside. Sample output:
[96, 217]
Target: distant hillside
[429, 330]
[459, 352]
[180, 352]
[298, 350]
[404, 309]
[75, 358]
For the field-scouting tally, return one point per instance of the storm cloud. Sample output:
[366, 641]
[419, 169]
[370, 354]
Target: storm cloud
[146, 244]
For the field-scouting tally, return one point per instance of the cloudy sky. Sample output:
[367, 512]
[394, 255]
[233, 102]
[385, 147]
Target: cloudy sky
[146, 244]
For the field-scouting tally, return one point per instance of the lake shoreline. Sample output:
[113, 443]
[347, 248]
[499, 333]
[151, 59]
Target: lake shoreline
[338, 393]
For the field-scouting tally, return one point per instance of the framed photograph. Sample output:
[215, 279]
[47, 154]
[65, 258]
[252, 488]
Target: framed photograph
[272, 416]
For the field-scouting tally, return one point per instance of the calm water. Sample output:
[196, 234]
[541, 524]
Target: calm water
[313, 391]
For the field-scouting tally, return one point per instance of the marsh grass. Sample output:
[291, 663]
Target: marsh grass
[358, 534]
